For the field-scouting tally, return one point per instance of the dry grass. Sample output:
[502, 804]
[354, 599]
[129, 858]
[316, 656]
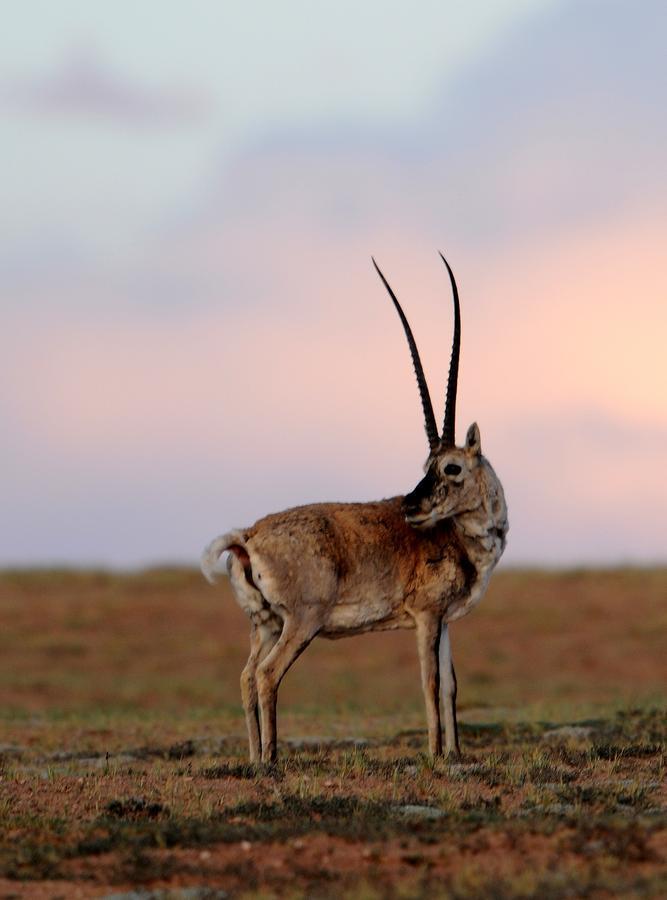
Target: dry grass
[122, 760]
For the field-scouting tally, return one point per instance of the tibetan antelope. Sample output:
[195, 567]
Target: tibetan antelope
[337, 569]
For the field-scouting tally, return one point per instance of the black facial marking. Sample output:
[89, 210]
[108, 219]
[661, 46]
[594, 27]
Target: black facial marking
[412, 502]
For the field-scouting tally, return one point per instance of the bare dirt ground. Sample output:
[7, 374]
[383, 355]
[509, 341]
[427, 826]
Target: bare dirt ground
[123, 767]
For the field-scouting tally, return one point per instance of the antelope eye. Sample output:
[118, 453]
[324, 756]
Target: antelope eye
[452, 469]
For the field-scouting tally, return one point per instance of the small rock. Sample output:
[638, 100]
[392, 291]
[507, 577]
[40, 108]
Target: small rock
[461, 769]
[84, 756]
[304, 743]
[102, 762]
[559, 809]
[568, 733]
[421, 812]
[11, 751]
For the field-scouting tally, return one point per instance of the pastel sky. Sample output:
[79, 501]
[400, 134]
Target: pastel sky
[193, 334]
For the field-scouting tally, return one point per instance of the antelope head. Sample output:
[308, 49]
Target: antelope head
[451, 484]
[457, 480]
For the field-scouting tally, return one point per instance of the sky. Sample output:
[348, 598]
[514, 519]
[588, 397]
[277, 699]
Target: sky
[192, 332]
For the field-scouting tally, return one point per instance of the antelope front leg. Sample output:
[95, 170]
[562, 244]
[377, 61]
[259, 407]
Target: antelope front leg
[428, 640]
[448, 690]
[292, 642]
[262, 639]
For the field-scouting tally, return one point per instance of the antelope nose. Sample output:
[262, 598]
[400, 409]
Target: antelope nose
[409, 509]
[412, 502]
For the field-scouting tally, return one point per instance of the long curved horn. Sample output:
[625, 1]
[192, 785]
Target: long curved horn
[449, 425]
[427, 406]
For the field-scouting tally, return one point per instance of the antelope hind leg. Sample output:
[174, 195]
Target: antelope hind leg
[295, 637]
[428, 640]
[448, 691]
[262, 639]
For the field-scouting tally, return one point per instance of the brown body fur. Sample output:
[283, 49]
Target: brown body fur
[358, 566]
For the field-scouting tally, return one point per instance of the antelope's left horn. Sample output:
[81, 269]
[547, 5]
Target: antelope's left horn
[449, 424]
[427, 406]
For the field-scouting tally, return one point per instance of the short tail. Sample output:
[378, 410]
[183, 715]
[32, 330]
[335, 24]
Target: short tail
[211, 555]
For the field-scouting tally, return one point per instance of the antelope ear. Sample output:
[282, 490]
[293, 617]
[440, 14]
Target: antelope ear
[473, 440]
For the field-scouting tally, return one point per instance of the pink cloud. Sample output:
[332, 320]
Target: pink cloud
[83, 85]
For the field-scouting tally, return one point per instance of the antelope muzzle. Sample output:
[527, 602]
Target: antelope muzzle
[418, 504]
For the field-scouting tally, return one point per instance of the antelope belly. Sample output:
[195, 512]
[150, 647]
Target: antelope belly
[354, 618]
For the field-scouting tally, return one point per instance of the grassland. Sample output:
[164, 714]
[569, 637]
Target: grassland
[122, 755]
